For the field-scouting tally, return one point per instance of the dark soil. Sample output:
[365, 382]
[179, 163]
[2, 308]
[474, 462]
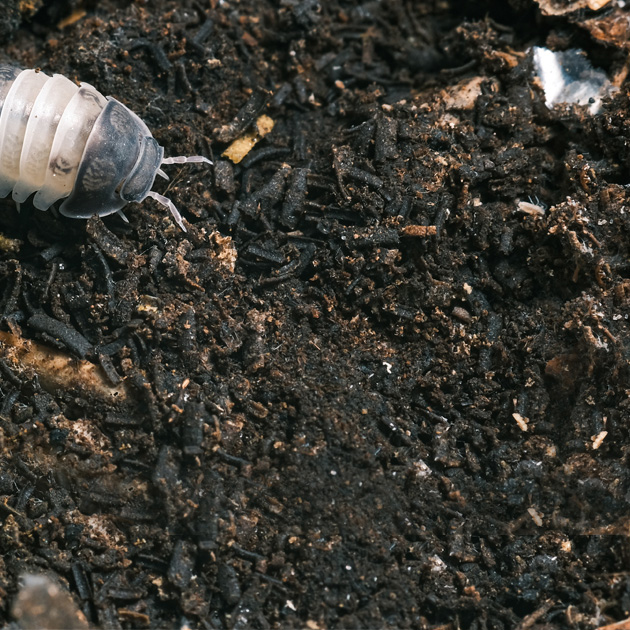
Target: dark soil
[365, 389]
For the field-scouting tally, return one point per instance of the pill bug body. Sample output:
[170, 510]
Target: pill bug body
[68, 142]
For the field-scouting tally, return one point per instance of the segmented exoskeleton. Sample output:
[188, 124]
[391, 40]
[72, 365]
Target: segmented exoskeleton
[64, 141]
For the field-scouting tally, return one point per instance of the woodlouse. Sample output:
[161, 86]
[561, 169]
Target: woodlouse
[64, 141]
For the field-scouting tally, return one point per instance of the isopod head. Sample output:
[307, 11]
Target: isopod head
[119, 165]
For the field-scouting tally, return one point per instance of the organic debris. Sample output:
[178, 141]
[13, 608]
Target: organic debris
[382, 380]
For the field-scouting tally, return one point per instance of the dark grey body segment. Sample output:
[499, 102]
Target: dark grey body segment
[118, 156]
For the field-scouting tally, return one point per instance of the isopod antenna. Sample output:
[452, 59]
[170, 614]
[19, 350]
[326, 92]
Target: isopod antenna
[186, 159]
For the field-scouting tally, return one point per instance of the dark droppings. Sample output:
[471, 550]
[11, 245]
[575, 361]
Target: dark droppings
[381, 382]
[55, 330]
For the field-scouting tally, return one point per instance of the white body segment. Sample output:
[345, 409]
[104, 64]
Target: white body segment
[40, 133]
[63, 141]
[71, 136]
[16, 112]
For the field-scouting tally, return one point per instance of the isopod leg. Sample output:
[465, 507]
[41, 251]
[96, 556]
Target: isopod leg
[165, 201]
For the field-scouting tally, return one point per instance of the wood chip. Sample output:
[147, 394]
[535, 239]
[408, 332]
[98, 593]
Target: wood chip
[73, 18]
[536, 516]
[245, 143]
[624, 624]
[419, 230]
[598, 439]
[521, 421]
[58, 371]
[596, 5]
